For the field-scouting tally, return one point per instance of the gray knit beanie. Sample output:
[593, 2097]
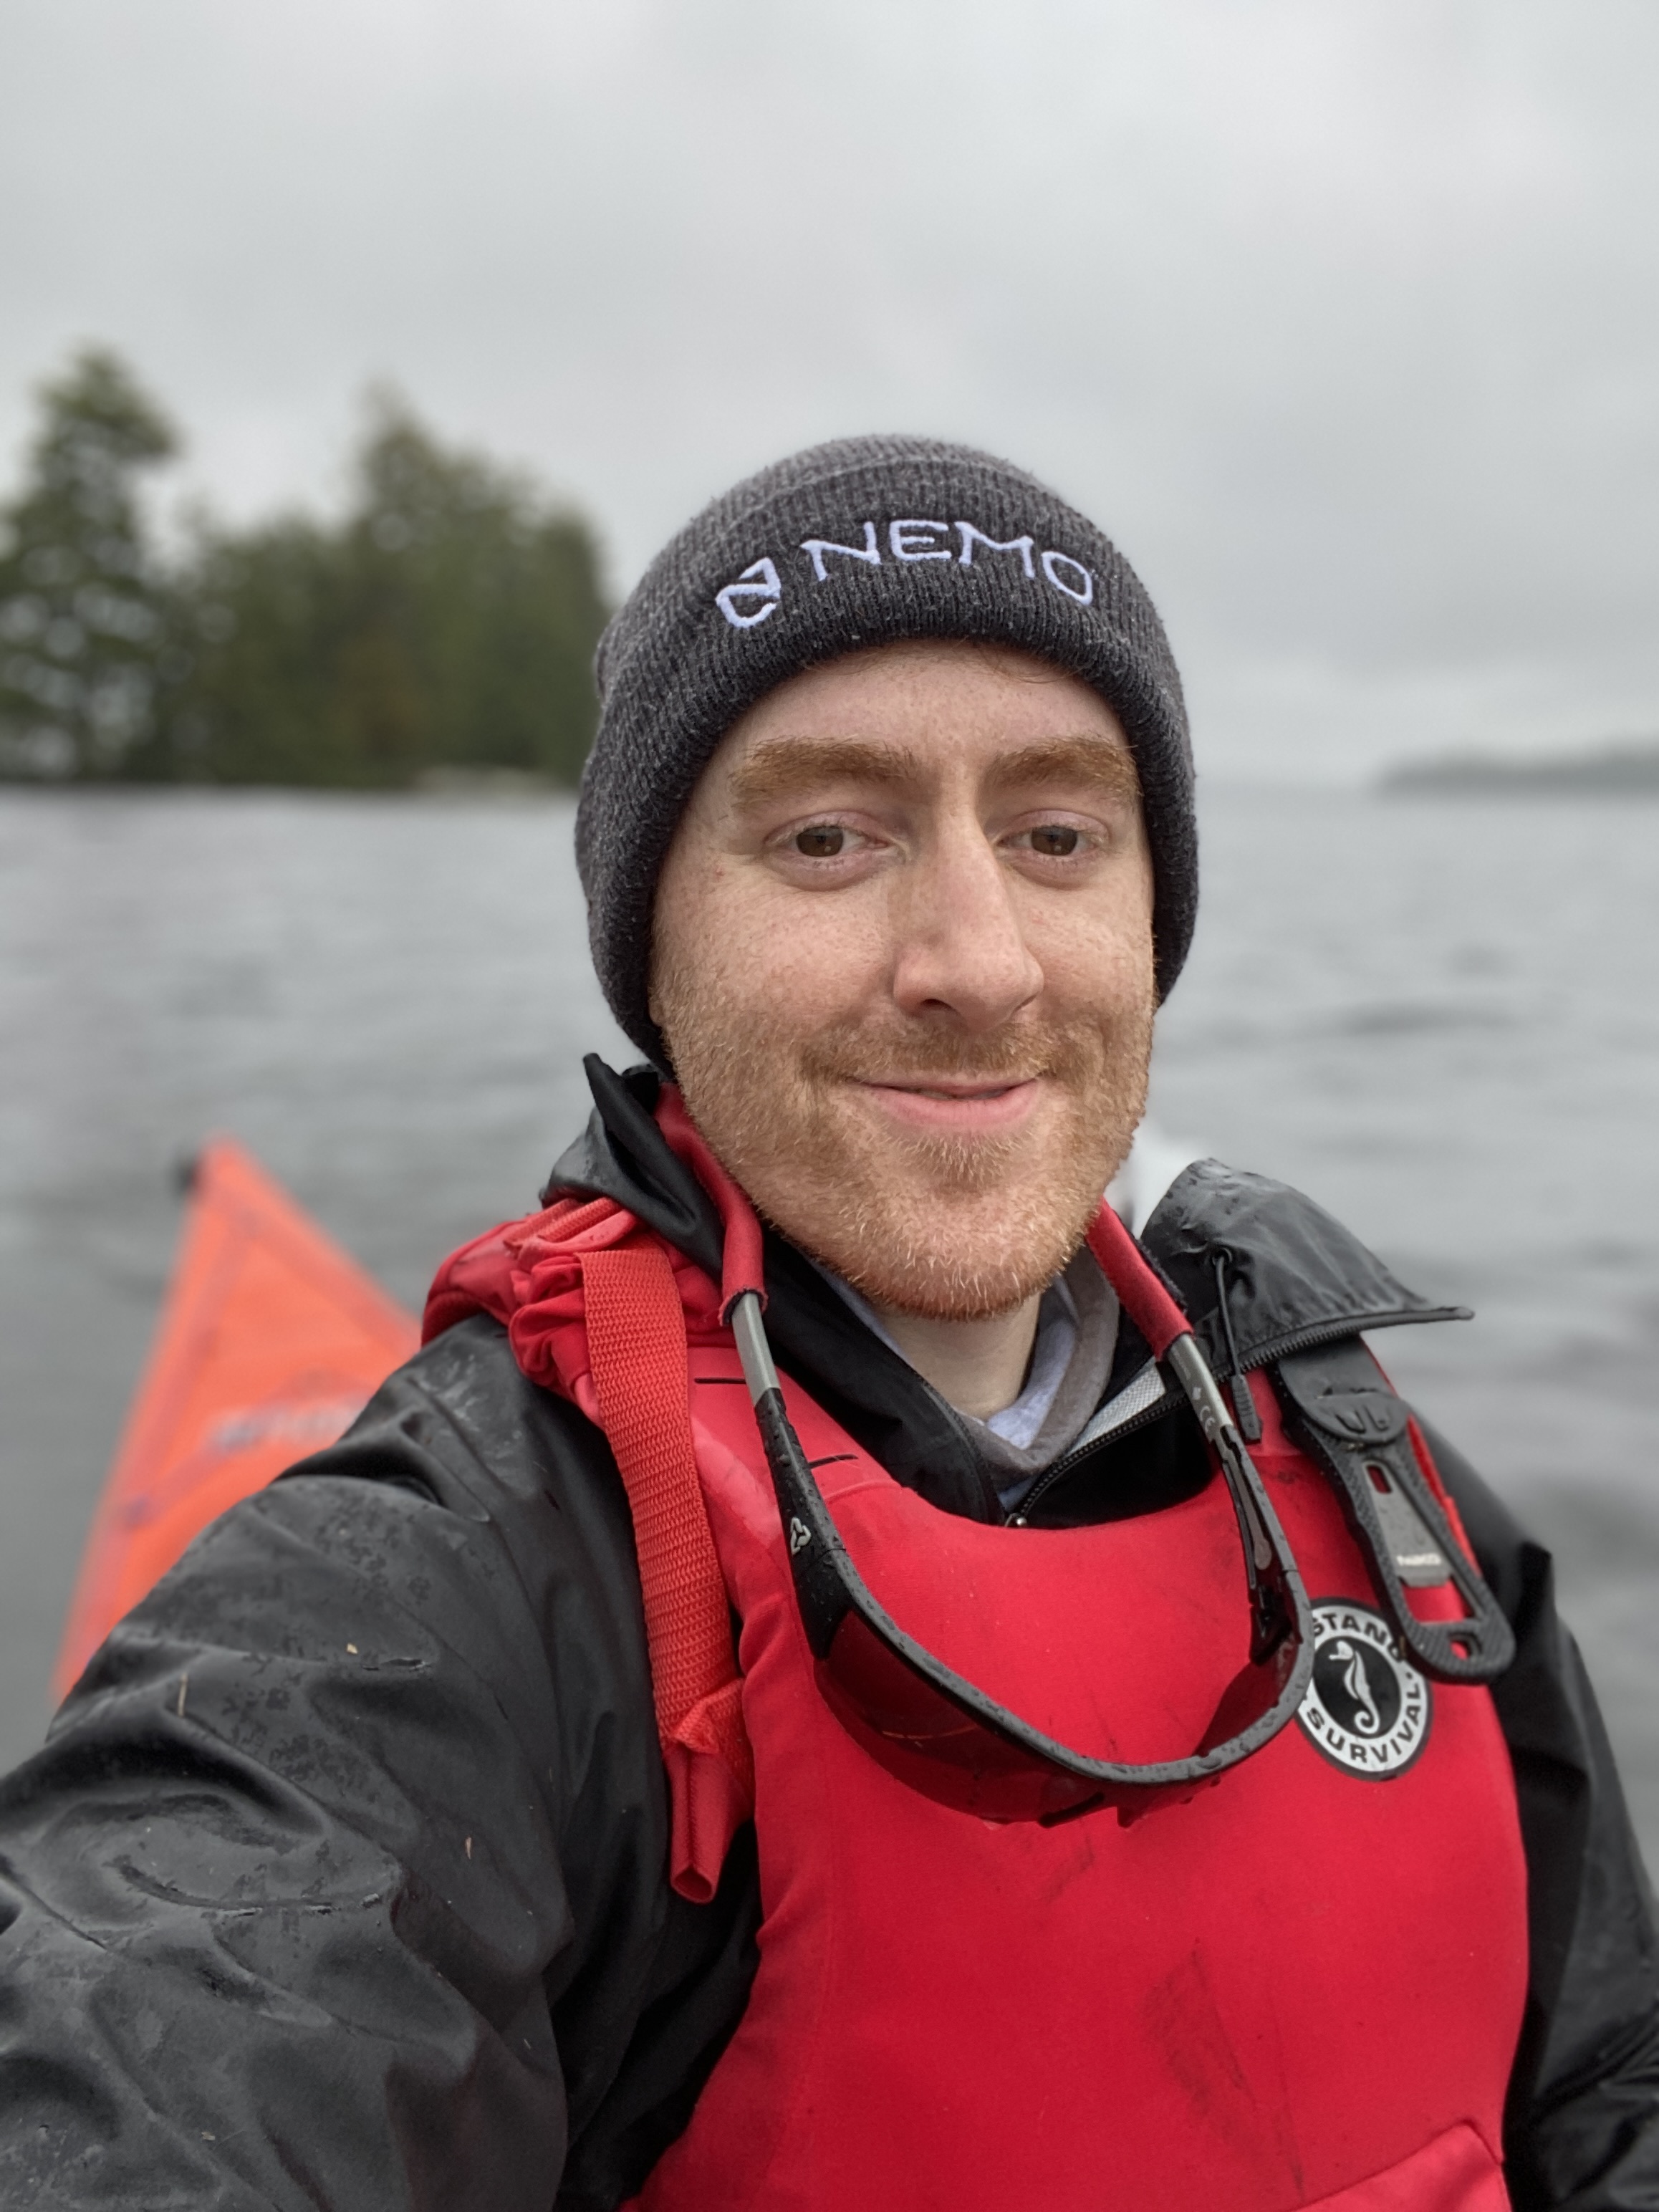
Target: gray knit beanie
[859, 543]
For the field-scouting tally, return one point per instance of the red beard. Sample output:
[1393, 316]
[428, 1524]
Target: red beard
[950, 1228]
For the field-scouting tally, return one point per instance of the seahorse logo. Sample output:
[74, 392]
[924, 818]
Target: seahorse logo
[1367, 1710]
[1367, 1721]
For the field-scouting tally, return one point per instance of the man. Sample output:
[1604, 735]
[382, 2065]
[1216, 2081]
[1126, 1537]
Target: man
[580, 1785]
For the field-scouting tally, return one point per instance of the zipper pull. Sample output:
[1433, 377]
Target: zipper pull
[1245, 1412]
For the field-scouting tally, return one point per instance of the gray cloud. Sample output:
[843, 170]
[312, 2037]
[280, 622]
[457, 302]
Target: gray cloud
[1345, 321]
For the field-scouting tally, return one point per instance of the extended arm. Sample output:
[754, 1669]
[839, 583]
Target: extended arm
[338, 1881]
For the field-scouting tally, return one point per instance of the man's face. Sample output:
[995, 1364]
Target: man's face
[903, 958]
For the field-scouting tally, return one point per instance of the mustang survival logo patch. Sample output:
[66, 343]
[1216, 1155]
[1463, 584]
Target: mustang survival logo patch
[1367, 1709]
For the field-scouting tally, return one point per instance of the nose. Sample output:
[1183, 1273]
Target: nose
[961, 948]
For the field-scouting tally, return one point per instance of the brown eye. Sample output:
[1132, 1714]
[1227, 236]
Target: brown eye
[1055, 841]
[823, 841]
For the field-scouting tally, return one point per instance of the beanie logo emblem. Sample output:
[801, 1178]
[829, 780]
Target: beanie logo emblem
[1083, 590]
[758, 591]
[817, 550]
[758, 583]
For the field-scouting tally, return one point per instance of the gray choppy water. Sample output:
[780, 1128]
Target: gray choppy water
[1440, 1020]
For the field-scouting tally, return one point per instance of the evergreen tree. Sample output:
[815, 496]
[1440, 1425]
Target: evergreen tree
[83, 607]
[450, 623]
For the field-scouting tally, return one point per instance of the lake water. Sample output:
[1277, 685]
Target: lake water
[1440, 1018]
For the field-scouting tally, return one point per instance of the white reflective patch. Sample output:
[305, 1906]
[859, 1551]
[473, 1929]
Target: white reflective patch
[1136, 1395]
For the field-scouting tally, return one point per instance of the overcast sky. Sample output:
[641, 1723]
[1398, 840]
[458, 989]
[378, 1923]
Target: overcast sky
[1342, 316]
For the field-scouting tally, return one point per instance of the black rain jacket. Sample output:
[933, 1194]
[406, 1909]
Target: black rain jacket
[341, 1880]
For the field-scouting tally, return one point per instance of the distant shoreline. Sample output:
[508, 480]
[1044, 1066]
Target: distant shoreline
[1620, 771]
[494, 786]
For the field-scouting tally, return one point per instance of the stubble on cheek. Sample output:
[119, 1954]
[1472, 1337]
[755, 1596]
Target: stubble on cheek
[954, 1229]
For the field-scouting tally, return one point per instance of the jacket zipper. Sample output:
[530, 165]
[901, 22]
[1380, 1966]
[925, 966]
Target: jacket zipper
[1159, 1408]
[988, 1486]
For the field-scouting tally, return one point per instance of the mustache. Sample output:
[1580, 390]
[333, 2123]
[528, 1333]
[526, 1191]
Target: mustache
[1019, 1055]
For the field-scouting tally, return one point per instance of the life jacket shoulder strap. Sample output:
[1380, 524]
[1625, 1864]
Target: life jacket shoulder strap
[1343, 1412]
[637, 1357]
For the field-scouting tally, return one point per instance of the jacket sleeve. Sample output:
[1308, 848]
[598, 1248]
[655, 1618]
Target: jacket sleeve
[1581, 2127]
[347, 1830]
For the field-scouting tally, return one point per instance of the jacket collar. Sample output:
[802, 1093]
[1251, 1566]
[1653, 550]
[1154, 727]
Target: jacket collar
[1261, 1270]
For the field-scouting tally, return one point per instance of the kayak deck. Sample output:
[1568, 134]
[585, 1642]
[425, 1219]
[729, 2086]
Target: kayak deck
[271, 1339]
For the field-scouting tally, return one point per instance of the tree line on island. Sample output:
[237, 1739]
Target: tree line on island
[1628, 769]
[445, 624]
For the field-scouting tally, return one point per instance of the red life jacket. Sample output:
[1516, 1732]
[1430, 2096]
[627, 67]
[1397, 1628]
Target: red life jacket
[1301, 1987]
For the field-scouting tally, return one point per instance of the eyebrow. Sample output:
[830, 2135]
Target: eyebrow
[1103, 764]
[779, 766]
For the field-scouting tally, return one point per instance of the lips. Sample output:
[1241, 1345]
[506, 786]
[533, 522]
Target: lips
[954, 1108]
[952, 1089]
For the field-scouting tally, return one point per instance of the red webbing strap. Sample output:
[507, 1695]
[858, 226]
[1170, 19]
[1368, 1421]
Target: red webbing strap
[743, 1268]
[637, 1356]
[1143, 1296]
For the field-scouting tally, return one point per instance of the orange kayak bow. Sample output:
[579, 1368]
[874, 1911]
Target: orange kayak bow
[270, 1341]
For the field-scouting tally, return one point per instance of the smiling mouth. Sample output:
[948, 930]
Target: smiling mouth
[953, 1104]
[951, 1090]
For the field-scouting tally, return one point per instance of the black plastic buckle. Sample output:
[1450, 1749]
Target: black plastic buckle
[1339, 1408]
